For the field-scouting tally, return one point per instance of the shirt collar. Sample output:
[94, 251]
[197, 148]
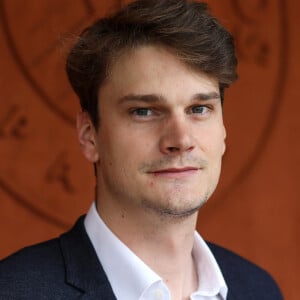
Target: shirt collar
[130, 277]
[210, 279]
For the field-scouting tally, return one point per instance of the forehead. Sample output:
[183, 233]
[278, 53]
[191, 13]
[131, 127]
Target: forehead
[153, 69]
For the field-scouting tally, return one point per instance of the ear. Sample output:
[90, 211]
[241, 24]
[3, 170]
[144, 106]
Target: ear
[224, 140]
[87, 137]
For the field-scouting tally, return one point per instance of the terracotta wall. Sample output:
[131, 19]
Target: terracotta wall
[45, 183]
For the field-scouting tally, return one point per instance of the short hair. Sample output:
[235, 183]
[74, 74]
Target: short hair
[186, 28]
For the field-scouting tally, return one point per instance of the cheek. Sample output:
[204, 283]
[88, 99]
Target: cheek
[212, 144]
[120, 151]
[217, 141]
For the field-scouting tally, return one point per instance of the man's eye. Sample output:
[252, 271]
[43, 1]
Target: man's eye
[200, 109]
[143, 112]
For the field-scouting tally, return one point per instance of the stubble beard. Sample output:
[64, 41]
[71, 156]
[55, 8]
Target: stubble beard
[170, 212]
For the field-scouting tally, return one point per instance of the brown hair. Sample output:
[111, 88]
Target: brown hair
[184, 27]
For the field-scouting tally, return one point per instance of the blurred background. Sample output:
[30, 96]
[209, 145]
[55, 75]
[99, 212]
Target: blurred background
[45, 183]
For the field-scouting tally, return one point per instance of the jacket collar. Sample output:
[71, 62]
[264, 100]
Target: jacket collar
[83, 269]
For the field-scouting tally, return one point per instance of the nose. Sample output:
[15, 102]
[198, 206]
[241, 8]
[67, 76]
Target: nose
[176, 136]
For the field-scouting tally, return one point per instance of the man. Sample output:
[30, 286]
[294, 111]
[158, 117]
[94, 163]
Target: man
[151, 82]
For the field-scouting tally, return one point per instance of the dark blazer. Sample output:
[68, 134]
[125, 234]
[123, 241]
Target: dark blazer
[68, 268]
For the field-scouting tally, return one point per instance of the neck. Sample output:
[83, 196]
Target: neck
[164, 243]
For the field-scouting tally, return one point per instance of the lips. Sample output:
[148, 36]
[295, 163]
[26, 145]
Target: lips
[176, 172]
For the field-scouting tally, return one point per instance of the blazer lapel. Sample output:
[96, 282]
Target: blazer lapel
[83, 269]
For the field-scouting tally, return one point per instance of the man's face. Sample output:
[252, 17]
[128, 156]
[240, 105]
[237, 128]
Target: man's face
[161, 136]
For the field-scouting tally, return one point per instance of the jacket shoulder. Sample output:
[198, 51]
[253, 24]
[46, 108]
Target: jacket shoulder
[30, 260]
[245, 279]
[35, 272]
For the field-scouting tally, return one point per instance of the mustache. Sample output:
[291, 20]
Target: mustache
[171, 162]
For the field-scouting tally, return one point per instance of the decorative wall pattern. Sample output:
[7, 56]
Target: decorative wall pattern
[44, 181]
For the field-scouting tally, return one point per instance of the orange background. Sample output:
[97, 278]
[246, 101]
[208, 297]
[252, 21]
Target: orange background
[45, 183]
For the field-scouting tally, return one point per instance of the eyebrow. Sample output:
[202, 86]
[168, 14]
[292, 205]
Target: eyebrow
[206, 96]
[152, 98]
[149, 98]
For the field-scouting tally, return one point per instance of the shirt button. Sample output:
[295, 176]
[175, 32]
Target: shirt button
[158, 295]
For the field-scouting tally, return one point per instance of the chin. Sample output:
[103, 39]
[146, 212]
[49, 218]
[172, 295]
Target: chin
[170, 210]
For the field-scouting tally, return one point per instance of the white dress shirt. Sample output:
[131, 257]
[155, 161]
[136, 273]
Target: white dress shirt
[132, 279]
